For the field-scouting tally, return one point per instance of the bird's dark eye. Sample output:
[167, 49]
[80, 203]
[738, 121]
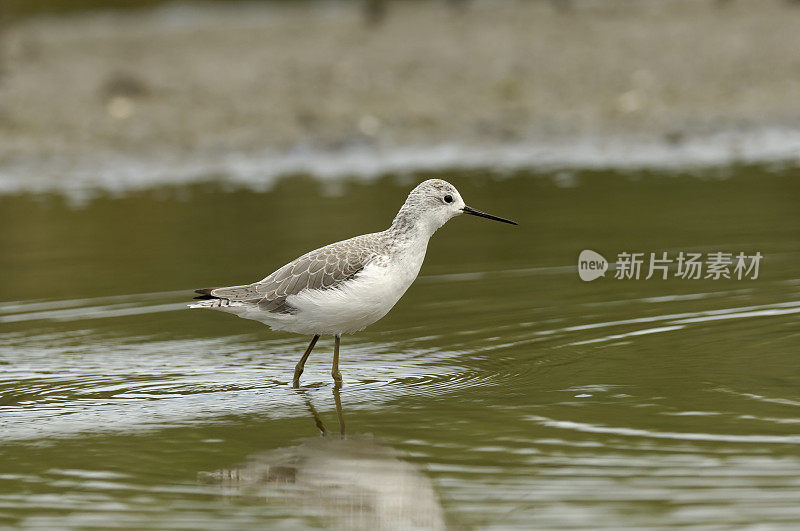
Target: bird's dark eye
[448, 198]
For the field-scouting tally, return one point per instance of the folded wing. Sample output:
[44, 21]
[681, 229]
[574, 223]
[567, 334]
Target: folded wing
[324, 268]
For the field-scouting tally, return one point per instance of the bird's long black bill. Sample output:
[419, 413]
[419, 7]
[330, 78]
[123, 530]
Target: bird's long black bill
[476, 212]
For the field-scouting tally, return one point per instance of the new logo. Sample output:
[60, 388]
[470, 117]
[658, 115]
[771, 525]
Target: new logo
[591, 265]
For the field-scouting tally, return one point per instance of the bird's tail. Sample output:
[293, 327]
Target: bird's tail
[207, 300]
[205, 294]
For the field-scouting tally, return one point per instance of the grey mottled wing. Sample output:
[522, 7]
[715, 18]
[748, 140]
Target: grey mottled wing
[324, 268]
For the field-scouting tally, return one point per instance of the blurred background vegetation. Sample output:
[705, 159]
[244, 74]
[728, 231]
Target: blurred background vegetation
[14, 9]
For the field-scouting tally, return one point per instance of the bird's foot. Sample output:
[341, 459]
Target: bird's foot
[337, 378]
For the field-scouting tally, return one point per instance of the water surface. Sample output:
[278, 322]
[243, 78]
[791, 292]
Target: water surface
[502, 391]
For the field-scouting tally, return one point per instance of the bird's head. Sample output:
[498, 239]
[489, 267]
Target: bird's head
[433, 202]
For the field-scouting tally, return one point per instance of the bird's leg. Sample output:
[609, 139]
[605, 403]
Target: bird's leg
[298, 370]
[337, 376]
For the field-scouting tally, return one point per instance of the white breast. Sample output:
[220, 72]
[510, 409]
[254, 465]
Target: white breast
[356, 303]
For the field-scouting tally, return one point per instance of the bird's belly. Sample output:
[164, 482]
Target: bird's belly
[354, 305]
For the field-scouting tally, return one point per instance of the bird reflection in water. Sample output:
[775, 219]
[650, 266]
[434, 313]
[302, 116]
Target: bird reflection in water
[350, 481]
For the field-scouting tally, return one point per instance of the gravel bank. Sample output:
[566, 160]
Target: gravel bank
[179, 87]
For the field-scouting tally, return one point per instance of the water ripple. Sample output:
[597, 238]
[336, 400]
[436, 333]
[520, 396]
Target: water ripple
[653, 434]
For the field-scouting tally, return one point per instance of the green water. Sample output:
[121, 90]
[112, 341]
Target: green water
[502, 391]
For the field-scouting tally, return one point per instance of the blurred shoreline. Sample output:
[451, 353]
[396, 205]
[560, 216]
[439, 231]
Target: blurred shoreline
[249, 92]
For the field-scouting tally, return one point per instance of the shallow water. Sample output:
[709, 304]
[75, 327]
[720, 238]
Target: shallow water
[502, 391]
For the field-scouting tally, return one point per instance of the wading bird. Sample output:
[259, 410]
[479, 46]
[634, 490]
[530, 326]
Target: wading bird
[346, 286]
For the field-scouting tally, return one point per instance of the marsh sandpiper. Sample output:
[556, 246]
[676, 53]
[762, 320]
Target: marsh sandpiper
[346, 286]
